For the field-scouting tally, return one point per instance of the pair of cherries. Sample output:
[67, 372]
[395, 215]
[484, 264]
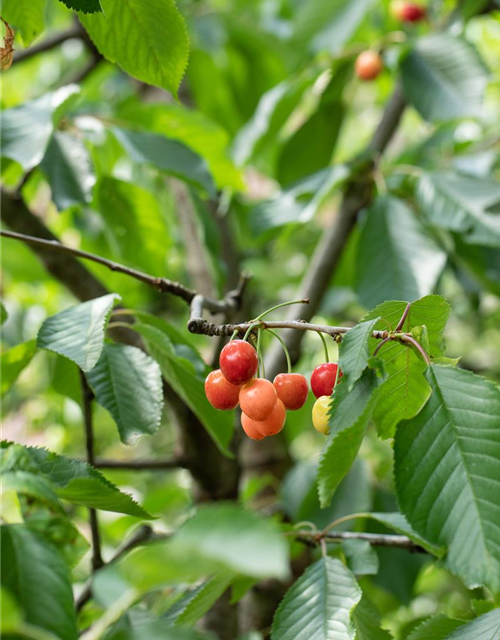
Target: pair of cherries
[263, 404]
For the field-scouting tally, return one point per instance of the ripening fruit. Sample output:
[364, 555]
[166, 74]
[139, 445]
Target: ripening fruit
[220, 392]
[249, 428]
[292, 390]
[258, 398]
[238, 361]
[368, 65]
[269, 427]
[323, 379]
[320, 414]
[408, 11]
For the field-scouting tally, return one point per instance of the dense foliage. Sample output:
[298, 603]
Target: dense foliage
[154, 154]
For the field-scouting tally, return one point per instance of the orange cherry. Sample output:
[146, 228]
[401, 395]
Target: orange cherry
[269, 427]
[220, 392]
[258, 398]
[368, 65]
[249, 428]
[292, 389]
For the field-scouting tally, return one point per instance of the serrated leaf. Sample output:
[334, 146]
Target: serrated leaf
[447, 465]
[198, 601]
[366, 619]
[170, 156]
[349, 418]
[319, 604]
[69, 171]
[181, 375]
[14, 361]
[396, 257]
[26, 129]
[466, 205]
[436, 628]
[78, 332]
[444, 77]
[45, 596]
[32, 485]
[486, 627]
[25, 16]
[128, 383]
[148, 40]
[72, 480]
[353, 352]
[83, 6]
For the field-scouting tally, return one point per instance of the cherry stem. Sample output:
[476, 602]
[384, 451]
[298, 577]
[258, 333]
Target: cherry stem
[287, 354]
[411, 340]
[283, 304]
[259, 354]
[380, 345]
[235, 333]
[325, 346]
[250, 329]
[335, 523]
[403, 317]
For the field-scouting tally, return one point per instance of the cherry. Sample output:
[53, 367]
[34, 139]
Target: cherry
[250, 429]
[238, 361]
[323, 379]
[320, 415]
[408, 11]
[368, 65]
[258, 399]
[220, 392]
[269, 427]
[292, 389]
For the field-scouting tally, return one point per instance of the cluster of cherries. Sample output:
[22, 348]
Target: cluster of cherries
[263, 403]
[369, 63]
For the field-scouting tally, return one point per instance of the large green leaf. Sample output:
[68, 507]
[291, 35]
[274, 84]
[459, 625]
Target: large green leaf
[128, 383]
[148, 40]
[69, 170]
[84, 6]
[34, 572]
[353, 352]
[467, 205]
[396, 258]
[447, 470]
[14, 361]
[170, 156]
[486, 627]
[181, 375]
[78, 332]
[71, 480]
[350, 414]
[436, 628]
[319, 604]
[26, 129]
[25, 16]
[329, 25]
[444, 77]
[366, 619]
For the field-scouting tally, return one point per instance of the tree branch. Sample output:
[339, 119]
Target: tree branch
[51, 42]
[140, 465]
[375, 539]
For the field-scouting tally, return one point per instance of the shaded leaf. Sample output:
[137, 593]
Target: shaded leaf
[353, 351]
[14, 361]
[26, 16]
[486, 627]
[436, 628]
[361, 557]
[366, 619]
[198, 601]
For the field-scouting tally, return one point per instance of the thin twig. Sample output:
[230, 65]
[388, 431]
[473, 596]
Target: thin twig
[140, 465]
[87, 398]
[76, 31]
[401, 322]
[411, 340]
[375, 539]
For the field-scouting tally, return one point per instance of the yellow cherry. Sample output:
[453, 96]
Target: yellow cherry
[320, 414]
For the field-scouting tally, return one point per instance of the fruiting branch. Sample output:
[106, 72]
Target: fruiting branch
[375, 539]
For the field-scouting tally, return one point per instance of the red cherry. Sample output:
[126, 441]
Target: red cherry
[408, 11]
[368, 65]
[250, 429]
[269, 427]
[220, 392]
[292, 389]
[238, 361]
[258, 399]
[323, 379]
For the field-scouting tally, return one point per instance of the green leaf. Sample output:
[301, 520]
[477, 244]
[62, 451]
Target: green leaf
[447, 465]
[366, 619]
[84, 6]
[148, 40]
[353, 352]
[69, 171]
[78, 332]
[396, 258]
[10, 614]
[72, 480]
[26, 130]
[181, 376]
[436, 628]
[25, 16]
[468, 206]
[444, 77]
[3, 314]
[143, 625]
[128, 383]
[167, 155]
[318, 605]
[32, 485]
[35, 574]
[349, 418]
[328, 25]
[361, 557]
[486, 627]
[14, 361]
[292, 204]
[198, 601]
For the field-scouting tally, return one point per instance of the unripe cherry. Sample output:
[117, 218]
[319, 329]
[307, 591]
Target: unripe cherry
[323, 379]
[292, 389]
[220, 392]
[238, 361]
[368, 65]
[320, 414]
[269, 427]
[249, 428]
[258, 398]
